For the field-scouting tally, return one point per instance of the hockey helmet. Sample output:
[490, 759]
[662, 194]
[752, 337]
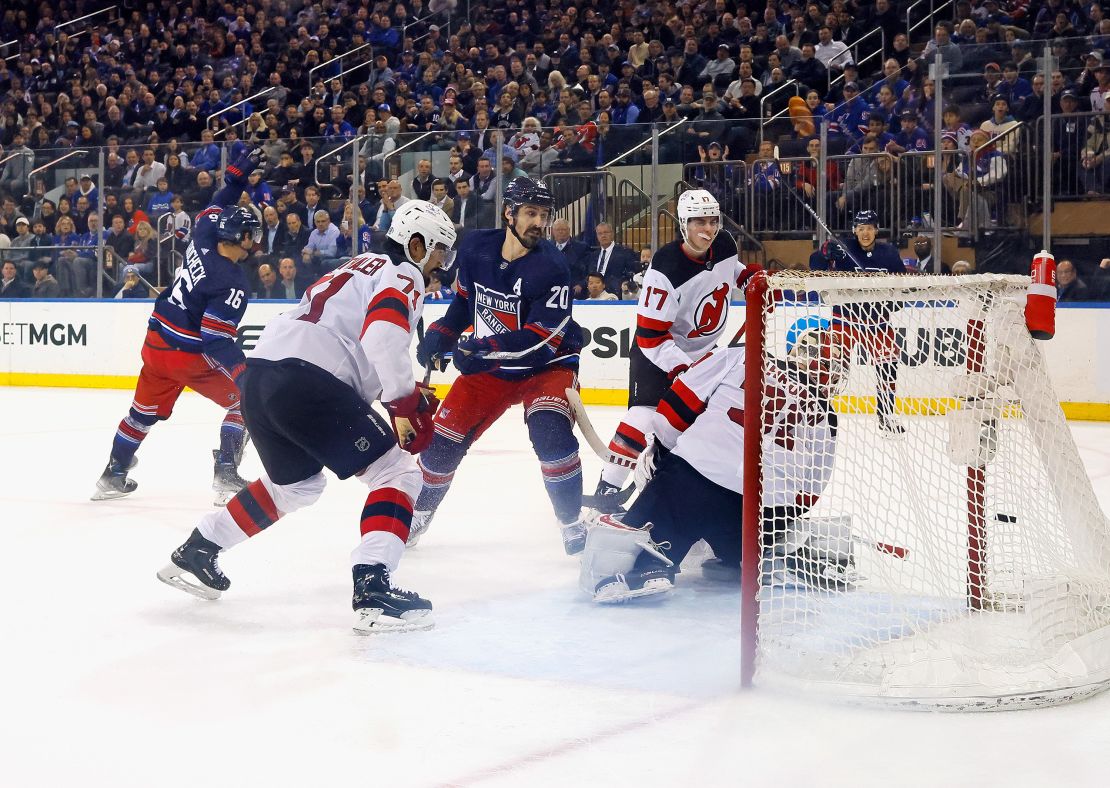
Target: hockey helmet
[816, 356]
[419, 217]
[525, 191]
[865, 217]
[693, 204]
[235, 223]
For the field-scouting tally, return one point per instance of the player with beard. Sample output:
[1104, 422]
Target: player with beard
[682, 311]
[514, 288]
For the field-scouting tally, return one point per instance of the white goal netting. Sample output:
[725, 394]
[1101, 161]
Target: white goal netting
[956, 556]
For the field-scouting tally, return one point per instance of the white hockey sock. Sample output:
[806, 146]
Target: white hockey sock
[615, 475]
[379, 547]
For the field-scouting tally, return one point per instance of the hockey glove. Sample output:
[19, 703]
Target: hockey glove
[650, 459]
[470, 355]
[239, 170]
[412, 419]
[438, 342]
[749, 271]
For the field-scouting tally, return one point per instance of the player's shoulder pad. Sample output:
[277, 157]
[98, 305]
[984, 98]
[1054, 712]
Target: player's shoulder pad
[723, 247]
[673, 264]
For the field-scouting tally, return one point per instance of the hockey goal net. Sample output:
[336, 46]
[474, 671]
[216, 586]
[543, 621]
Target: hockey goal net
[961, 563]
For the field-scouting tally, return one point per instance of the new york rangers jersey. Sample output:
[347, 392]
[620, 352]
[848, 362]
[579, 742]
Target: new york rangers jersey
[701, 419]
[355, 323]
[521, 302]
[201, 310]
[684, 302]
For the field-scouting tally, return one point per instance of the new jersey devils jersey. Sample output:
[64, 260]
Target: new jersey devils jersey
[684, 302]
[355, 323]
[701, 419]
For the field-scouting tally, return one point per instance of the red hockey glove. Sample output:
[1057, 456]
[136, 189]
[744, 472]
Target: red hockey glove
[412, 419]
[749, 271]
[674, 373]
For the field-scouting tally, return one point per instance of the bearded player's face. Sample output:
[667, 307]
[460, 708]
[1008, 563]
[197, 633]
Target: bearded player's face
[531, 224]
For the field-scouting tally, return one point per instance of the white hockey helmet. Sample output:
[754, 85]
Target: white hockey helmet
[693, 204]
[420, 217]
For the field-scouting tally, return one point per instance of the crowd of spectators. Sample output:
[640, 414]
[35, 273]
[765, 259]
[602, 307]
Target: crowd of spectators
[167, 89]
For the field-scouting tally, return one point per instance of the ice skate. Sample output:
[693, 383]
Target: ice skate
[196, 558]
[574, 536]
[113, 483]
[650, 575]
[226, 481]
[381, 607]
[420, 523]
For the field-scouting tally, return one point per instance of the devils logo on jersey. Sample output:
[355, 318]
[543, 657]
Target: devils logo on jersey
[494, 312]
[711, 311]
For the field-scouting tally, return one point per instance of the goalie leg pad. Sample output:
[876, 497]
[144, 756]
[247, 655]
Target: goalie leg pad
[611, 554]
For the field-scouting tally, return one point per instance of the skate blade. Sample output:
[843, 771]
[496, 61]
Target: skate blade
[173, 575]
[373, 621]
[616, 593]
[109, 495]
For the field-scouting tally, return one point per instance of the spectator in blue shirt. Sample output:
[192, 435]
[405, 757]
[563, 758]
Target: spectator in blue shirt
[338, 128]
[207, 156]
[1013, 86]
[911, 137]
[259, 190]
[160, 202]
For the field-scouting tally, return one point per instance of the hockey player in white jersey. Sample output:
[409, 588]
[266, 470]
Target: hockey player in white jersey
[692, 472]
[306, 392]
[682, 311]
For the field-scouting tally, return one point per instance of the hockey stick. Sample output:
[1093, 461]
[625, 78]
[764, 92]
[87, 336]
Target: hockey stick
[582, 419]
[512, 355]
[824, 226]
[882, 547]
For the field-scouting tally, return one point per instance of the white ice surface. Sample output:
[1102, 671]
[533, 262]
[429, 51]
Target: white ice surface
[108, 677]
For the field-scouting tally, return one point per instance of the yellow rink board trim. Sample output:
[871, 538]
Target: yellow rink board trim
[917, 406]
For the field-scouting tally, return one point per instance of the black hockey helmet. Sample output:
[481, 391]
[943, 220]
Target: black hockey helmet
[865, 217]
[235, 223]
[525, 191]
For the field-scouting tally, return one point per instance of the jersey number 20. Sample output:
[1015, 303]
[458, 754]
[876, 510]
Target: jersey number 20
[560, 297]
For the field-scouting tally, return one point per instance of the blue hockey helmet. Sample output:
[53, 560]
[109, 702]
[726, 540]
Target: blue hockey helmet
[235, 223]
[865, 217]
[525, 191]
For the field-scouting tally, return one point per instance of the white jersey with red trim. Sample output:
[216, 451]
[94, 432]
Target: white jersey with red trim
[356, 323]
[701, 419]
[684, 302]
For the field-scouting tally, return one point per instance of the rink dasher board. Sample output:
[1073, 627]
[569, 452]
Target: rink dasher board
[96, 344]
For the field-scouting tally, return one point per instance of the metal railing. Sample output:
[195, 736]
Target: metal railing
[1000, 186]
[582, 198]
[401, 149]
[225, 110]
[641, 145]
[764, 120]
[1075, 175]
[342, 72]
[414, 23]
[929, 17]
[853, 48]
[52, 163]
[632, 215]
[5, 45]
[867, 181]
[59, 26]
[725, 180]
[751, 248]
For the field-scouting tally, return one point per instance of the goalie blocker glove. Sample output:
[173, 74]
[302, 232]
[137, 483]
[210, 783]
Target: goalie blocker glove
[411, 417]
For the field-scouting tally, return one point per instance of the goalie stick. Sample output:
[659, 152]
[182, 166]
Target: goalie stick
[599, 448]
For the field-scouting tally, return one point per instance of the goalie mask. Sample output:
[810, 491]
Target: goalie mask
[816, 356]
[693, 204]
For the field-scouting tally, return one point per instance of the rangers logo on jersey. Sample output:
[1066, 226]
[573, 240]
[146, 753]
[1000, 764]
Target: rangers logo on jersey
[711, 311]
[494, 312]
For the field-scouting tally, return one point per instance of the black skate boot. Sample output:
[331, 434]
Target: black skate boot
[197, 557]
[890, 425]
[649, 575]
[381, 607]
[226, 481]
[113, 483]
[607, 498]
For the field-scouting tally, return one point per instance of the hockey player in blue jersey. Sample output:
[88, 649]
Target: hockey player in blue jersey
[514, 288]
[867, 323]
[190, 339]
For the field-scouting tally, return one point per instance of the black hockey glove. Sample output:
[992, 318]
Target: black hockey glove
[439, 342]
[470, 356]
[239, 170]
